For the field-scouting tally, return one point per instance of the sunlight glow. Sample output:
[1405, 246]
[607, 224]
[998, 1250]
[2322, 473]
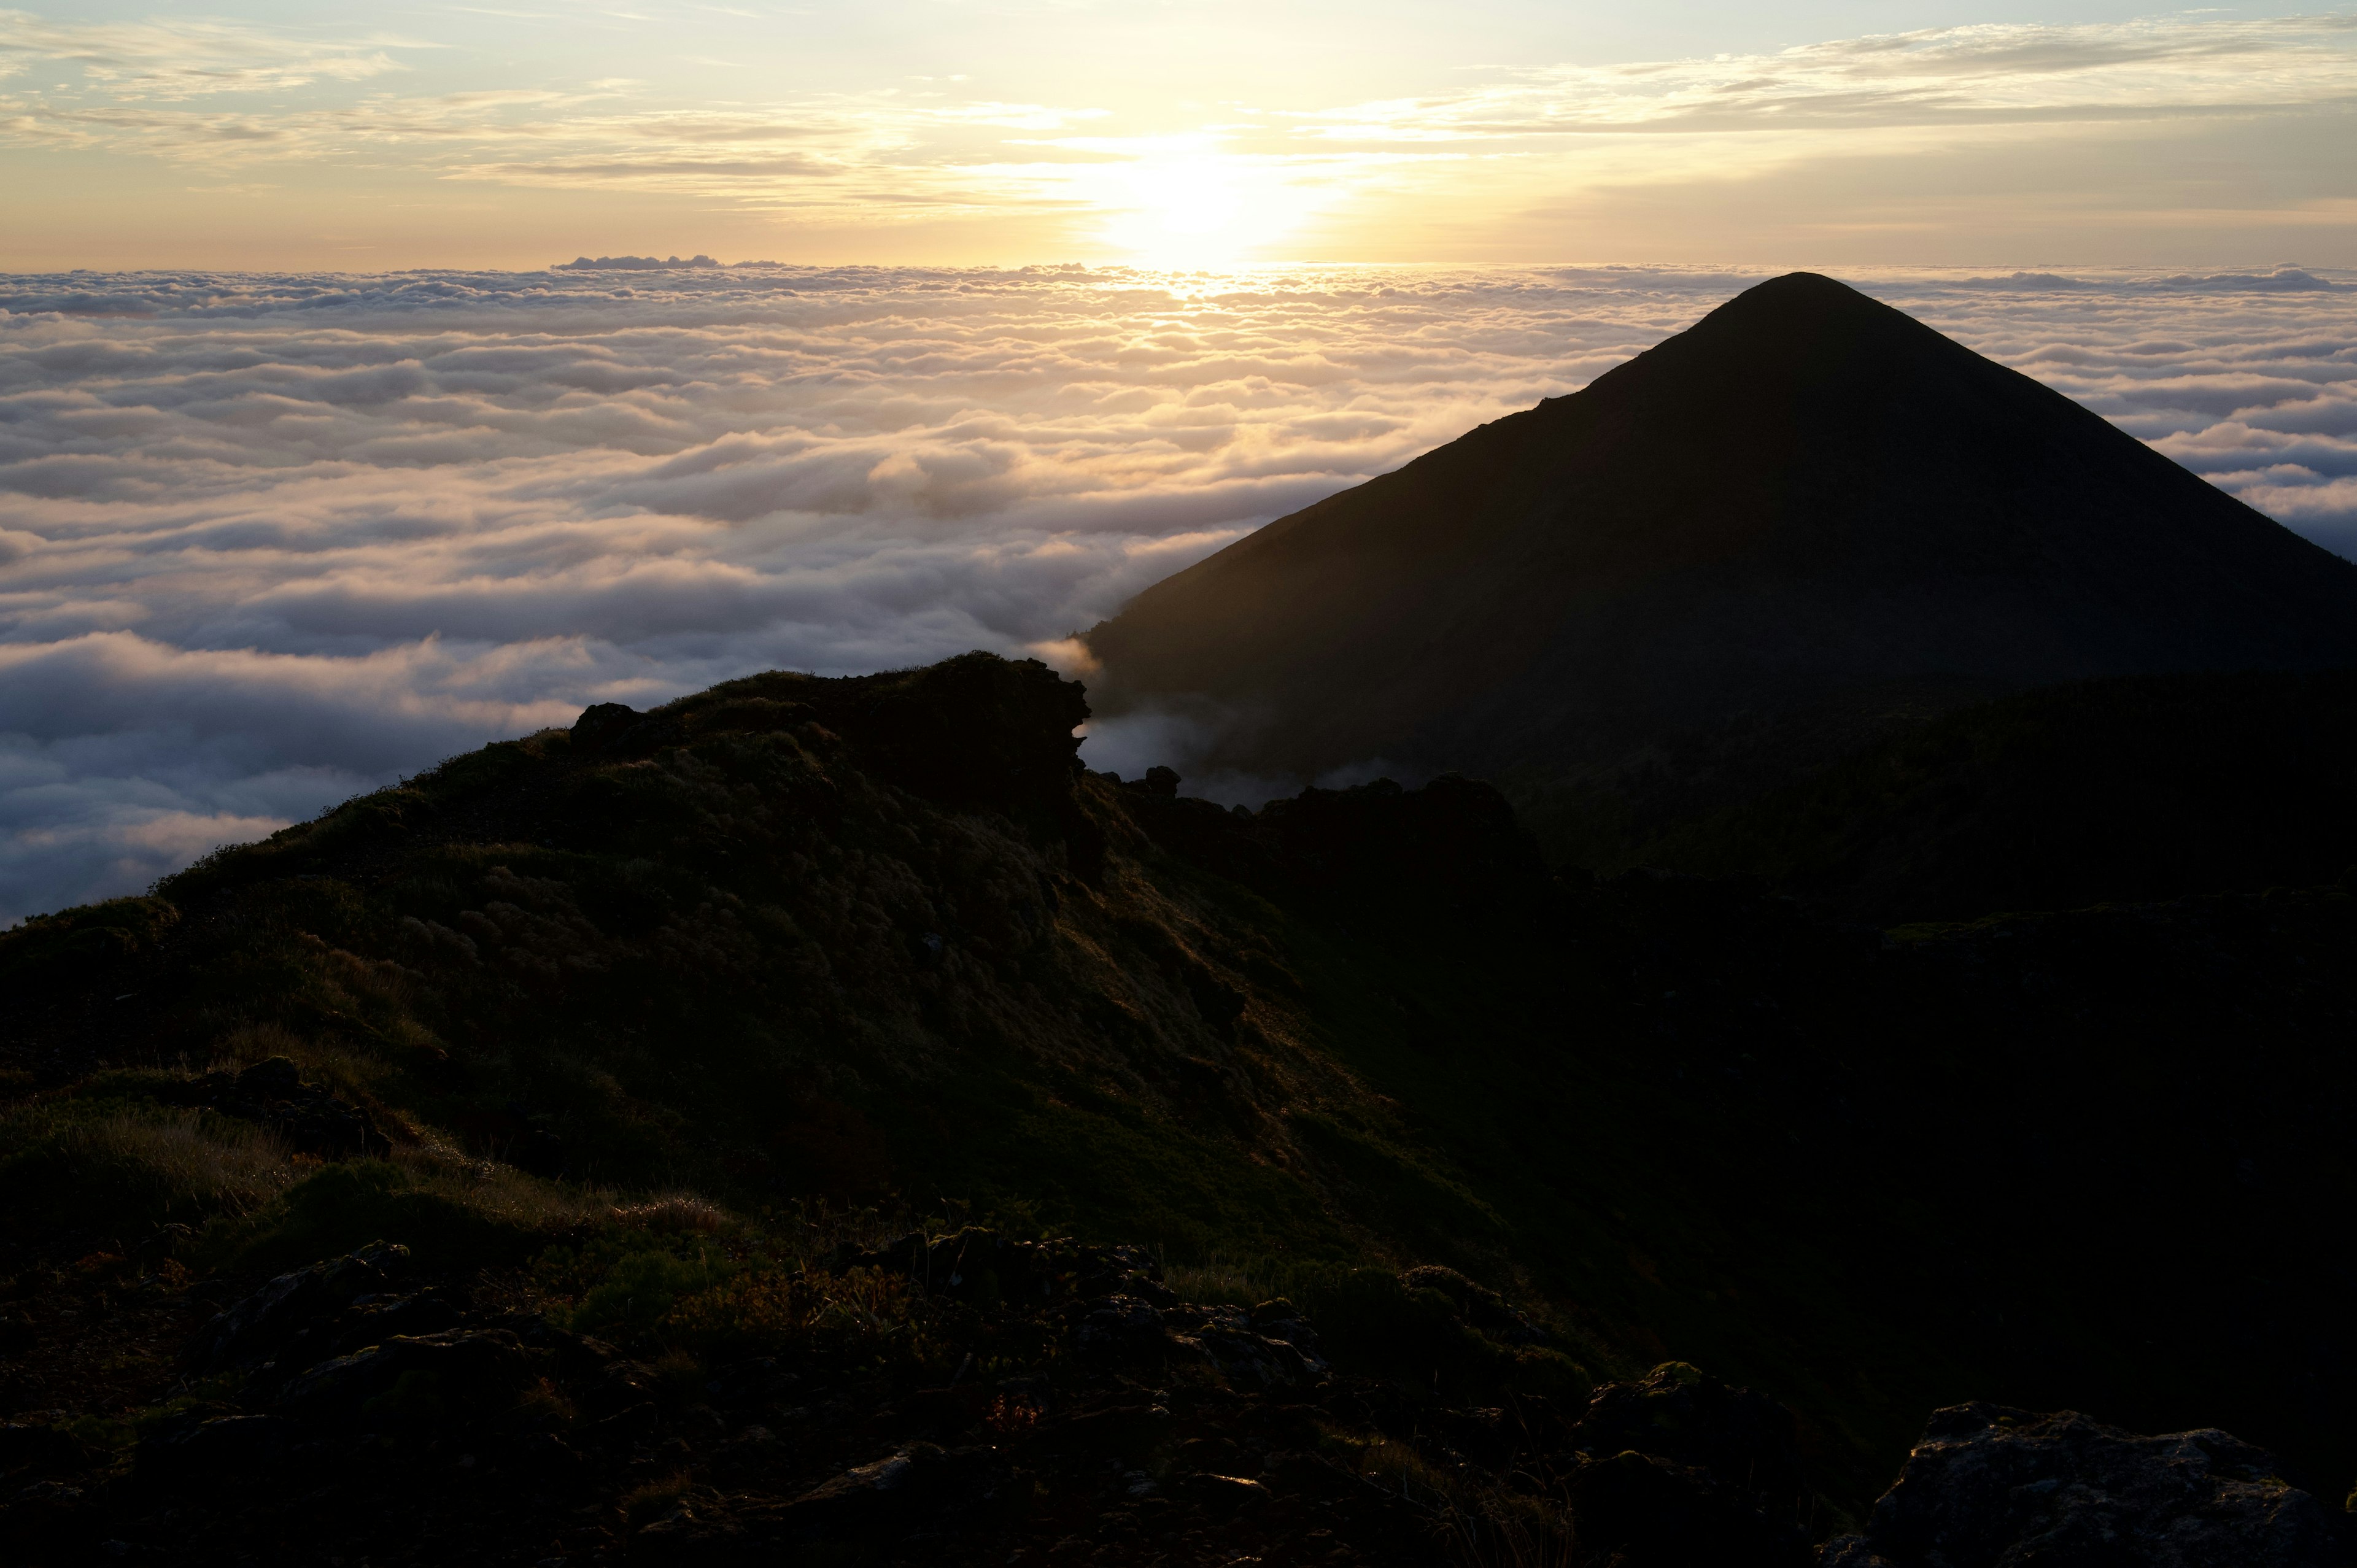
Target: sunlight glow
[914, 131]
[1204, 209]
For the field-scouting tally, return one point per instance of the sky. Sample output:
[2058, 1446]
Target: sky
[318, 465]
[1214, 132]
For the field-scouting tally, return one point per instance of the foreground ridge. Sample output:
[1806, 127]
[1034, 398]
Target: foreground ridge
[721, 1118]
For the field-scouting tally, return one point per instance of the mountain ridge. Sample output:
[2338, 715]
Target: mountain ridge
[1806, 498]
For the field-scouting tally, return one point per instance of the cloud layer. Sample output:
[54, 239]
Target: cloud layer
[266, 541]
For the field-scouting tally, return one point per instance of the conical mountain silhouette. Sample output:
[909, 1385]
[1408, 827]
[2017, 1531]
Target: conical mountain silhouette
[1806, 501]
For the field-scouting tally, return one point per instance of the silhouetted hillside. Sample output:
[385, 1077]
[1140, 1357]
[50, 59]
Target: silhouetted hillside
[1786, 532]
[2137, 788]
[817, 1089]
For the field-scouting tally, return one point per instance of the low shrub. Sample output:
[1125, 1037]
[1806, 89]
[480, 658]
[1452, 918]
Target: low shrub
[638, 1290]
[862, 1317]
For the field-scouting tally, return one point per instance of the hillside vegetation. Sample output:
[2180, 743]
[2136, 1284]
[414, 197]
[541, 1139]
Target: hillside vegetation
[795, 964]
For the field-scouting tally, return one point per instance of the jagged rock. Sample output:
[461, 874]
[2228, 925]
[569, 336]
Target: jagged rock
[455, 1367]
[1123, 1328]
[894, 1496]
[370, 1322]
[194, 1447]
[254, 1331]
[1255, 1361]
[1994, 1487]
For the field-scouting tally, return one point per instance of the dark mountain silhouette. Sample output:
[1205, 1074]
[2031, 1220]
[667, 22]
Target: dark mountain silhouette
[1803, 522]
[2136, 788]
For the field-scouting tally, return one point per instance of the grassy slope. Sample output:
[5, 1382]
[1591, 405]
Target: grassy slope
[1675, 1118]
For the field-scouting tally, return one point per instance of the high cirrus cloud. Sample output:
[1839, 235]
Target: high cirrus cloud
[268, 541]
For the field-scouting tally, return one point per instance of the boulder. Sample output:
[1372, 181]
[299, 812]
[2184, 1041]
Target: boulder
[1994, 1487]
[255, 1329]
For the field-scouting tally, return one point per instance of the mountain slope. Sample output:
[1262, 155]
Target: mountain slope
[2136, 788]
[799, 945]
[1807, 511]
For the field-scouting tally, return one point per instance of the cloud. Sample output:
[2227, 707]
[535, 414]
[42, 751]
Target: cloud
[266, 541]
[1984, 74]
[919, 150]
[190, 58]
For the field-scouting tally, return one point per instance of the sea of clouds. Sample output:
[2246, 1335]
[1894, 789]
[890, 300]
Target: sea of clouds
[266, 541]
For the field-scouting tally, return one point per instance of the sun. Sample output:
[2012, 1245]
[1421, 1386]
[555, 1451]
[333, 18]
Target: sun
[1197, 211]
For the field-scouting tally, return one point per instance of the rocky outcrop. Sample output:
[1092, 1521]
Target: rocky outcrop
[1994, 1488]
[1678, 1468]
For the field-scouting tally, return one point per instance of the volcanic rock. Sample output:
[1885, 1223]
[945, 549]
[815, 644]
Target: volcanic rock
[1994, 1487]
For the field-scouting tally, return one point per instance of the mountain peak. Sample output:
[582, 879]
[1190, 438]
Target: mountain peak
[1807, 502]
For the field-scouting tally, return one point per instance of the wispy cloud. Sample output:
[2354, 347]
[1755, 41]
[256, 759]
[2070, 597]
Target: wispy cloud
[883, 153]
[1988, 74]
[168, 60]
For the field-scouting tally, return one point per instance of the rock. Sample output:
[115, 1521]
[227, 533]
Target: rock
[193, 1448]
[431, 1371]
[1679, 1468]
[1641, 1510]
[1222, 1493]
[373, 1322]
[1994, 1487]
[255, 1329]
[1255, 1361]
[1122, 1328]
[1675, 1413]
[894, 1496]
